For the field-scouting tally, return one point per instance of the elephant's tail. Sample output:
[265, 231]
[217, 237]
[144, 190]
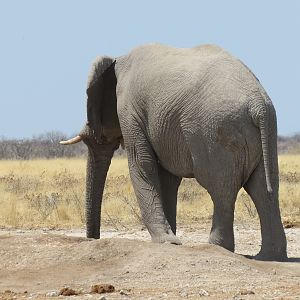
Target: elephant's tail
[264, 116]
[264, 133]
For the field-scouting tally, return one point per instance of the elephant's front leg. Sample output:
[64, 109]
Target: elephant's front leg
[143, 169]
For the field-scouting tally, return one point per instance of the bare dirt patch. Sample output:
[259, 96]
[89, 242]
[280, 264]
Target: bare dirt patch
[38, 264]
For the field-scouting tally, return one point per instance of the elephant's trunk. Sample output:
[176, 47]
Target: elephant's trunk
[99, 159]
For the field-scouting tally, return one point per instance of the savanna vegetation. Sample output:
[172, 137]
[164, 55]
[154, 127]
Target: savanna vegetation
[51, 193]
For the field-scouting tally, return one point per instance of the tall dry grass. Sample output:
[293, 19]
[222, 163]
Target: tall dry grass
[51, 193]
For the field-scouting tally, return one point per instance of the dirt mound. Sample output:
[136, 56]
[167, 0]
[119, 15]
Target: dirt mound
[40, 263]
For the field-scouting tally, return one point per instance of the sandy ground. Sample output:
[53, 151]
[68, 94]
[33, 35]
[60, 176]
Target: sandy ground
[37, 264]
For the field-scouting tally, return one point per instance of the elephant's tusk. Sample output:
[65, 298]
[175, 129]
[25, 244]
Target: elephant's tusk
[72, 141]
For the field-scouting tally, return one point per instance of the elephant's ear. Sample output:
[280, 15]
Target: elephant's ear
[109, 115]
[102, 100]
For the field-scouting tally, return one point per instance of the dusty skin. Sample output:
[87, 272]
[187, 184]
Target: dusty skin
[42, 262]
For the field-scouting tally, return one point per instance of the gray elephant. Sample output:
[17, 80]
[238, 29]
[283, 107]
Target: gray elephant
[197, 113]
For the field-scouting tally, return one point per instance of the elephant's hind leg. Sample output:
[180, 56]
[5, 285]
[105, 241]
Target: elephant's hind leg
[169, 188]
[219, 176]
[222, 225]
[267, 205]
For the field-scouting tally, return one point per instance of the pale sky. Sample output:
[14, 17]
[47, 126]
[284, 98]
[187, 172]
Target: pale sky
[46, 49]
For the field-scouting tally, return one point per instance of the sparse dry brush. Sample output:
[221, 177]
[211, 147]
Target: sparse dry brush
[51, 193]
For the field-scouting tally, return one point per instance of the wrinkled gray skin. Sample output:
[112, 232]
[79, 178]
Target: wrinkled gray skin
[197, 113]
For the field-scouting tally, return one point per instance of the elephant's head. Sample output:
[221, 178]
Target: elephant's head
[102, 135]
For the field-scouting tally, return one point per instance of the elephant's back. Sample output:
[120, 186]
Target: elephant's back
[159, 57]
[163, 51]
[156, 71]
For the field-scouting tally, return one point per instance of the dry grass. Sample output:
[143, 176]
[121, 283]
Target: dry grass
[50, 193]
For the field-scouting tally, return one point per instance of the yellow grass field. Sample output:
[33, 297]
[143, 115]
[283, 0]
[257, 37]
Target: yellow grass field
[51, 193]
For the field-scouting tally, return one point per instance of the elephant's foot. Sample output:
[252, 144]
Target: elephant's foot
[225, 242]
[273, 245]
[163, 234]
[166, 238]
[271, 256]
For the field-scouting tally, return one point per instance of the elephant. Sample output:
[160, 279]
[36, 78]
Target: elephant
[184, 113]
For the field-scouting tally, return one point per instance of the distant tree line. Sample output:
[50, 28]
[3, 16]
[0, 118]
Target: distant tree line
[47, 146]
[43, 146]
[289, 144]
